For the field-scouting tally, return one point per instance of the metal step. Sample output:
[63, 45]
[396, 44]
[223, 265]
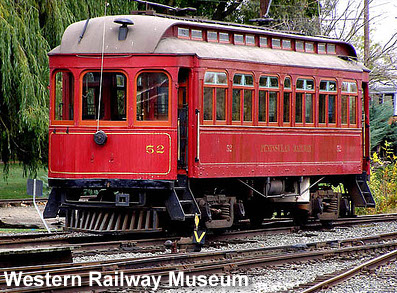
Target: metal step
[361, 194]
[181, 203]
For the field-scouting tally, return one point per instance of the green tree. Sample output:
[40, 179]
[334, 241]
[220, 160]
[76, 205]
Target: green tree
[29, 29]
[381, 130]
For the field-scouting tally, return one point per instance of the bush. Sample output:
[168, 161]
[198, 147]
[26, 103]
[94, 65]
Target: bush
[383, 183]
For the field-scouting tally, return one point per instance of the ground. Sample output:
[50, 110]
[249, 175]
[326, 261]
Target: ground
[27, 216]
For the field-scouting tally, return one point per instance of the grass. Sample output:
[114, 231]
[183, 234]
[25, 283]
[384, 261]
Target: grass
[15, 185]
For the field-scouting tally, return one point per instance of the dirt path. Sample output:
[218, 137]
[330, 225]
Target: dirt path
[25, 215]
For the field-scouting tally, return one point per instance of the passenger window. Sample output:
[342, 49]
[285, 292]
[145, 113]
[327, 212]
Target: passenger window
[272, 107]
[331, 109]
[236, 105]
[298, 107]
[327, 99]
[304, 101]
[220, 104]
[349, 103]
[309, 108]
[286, 107]
[268, 96]
[247, 105]
[322, 108]
[242, 97]
[64, 95]
[110, 100]
[344, 109]
[352, 109]
[262, 106]
[208, 98]
[152, 96]
[214, 100]
[287, 101]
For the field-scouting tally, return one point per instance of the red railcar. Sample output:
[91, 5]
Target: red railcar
[156, 119]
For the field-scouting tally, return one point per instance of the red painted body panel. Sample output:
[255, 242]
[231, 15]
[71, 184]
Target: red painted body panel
[245, 152]
[147, 154]
[225, 151]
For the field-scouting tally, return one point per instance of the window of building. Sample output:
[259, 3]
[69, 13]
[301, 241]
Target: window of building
[243, 91]
[214, 99]
[152, 96]
[110, 101]
[268, 96]
[349, 103]
[64, 96]
[287, 101]
[263, 41]
[304, 101]
[327, 102]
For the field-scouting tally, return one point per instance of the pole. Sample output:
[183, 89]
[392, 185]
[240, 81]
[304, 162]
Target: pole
[366, 32]
[37, 208]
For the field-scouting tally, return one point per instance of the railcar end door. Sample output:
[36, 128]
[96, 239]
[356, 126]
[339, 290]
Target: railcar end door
[183, 80]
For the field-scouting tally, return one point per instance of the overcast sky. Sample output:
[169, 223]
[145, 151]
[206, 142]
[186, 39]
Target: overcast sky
[385, 23]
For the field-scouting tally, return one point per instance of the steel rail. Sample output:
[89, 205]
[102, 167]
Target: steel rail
[373, 263]
[194, 263]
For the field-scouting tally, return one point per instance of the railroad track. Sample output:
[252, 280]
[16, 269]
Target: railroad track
[337, 278]
[86, 244]
[205, 263]
[19, 202]
[81, 244]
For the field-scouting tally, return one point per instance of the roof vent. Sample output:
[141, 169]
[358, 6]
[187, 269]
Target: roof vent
[123, 30]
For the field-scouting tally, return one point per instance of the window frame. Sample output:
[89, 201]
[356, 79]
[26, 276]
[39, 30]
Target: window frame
[196, 38]
[212, 40]
[104, 122]
[284, 42]
[170, 98]
[307, 45]
[323, 49]
[304, 92]
[328, 93]
[249, 36]
[329, 46]
[238, 43]
[350, 94]
[214, 87]
[54, 121]
[290, 92]
[181, 28]
[267, 89]
[263, 44]
[223, 41]
[243, 88]
[299, 49]
[274, 45]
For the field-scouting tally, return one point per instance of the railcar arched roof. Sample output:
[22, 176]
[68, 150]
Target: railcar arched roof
[149, 35]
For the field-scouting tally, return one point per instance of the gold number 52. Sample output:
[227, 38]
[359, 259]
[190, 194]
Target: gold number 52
[151, 149]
